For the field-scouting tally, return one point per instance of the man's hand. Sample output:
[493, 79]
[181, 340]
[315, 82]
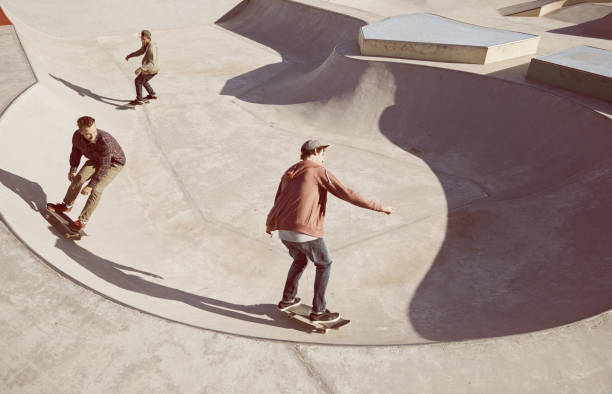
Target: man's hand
[388, 210]
[138, 71]
[71, 176]
[86, 190]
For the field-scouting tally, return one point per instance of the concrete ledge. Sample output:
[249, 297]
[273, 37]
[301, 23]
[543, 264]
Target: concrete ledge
[581, 69]
[533, 8]
[435, 38]
[541, 7]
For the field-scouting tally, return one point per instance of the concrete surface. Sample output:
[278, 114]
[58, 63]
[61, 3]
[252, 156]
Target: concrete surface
[583, 69]
[15, 72]
[533, 8]
[498, 239]
[541, 7]
[432, 37]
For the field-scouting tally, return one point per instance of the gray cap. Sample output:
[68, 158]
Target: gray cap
[312, 145]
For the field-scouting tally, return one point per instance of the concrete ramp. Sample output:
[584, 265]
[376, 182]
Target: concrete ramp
[582, 69]
[501, 190]
[432, 37]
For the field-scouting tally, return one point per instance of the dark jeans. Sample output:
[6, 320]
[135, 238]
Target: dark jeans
[317, 252]
[143, 80]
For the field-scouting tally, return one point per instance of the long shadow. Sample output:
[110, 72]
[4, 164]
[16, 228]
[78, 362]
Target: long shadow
[303, 48]
[87, 92]
[128, 278]
[116, 274]
[30, 192]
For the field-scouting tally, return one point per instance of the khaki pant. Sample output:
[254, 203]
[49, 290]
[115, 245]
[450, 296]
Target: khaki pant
[79, 180]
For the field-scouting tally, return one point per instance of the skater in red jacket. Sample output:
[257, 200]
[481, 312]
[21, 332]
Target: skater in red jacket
[298, 214]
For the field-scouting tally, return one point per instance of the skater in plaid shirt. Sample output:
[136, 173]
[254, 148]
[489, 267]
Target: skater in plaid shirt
[105, 160]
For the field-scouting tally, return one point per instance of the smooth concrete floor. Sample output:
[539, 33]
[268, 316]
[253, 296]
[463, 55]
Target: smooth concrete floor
[179, 235]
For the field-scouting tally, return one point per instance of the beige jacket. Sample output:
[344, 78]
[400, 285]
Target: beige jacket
[302, 196]
[149, 61]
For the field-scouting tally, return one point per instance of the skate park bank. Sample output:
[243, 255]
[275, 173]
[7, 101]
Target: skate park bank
[498, 236]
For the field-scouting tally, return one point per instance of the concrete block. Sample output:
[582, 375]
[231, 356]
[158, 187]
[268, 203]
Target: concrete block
[582, 69]
[435, 38]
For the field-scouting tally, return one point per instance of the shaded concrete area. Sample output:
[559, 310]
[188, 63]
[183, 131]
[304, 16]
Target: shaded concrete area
[500, 189]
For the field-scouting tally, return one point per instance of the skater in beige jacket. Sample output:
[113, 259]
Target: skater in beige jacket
[148, 70]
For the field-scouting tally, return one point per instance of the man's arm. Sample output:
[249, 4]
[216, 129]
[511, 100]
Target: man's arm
[75, 157]
[137, 53]
[103, 165]
[269, 218]
[335, 187]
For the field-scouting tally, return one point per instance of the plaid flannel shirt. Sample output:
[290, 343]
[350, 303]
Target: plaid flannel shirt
[104, 151]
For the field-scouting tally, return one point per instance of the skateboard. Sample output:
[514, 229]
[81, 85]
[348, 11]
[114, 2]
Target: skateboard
[133, 106]
[62, 222]
[302, 312]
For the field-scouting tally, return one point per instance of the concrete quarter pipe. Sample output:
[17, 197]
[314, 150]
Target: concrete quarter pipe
[501, 189]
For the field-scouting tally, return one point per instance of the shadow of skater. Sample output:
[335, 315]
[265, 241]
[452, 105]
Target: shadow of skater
[125, 277]
[29, 191]
[116, 274]
[86, 92]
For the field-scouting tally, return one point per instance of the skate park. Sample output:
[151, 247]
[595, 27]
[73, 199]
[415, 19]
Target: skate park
[493, 272]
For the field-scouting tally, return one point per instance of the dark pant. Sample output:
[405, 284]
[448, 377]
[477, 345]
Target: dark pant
[317, 252]
[143, 80]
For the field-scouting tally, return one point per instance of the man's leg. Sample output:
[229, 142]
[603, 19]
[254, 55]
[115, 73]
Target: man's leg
[318, 253]
[138, 81]
[96, 193]
[145, 83]
[295, 272]
[79, 179]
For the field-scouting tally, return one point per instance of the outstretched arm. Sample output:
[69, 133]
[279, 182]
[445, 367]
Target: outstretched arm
[137, 53]
[335, 187]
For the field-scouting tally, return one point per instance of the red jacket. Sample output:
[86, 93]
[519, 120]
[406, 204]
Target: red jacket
[300, 201]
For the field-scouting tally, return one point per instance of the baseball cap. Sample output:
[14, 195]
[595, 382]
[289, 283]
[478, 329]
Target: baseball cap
[312, 145]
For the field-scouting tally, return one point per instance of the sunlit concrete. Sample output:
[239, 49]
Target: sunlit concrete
[492, 272]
